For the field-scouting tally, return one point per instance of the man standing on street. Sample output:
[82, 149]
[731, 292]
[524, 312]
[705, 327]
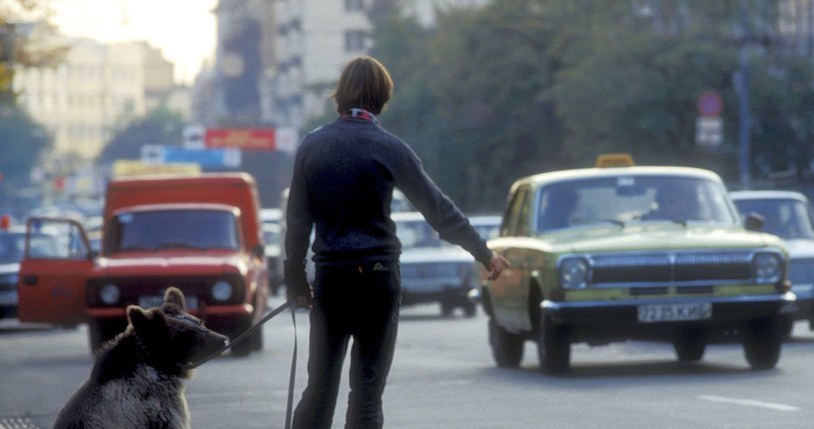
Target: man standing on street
[343, 181]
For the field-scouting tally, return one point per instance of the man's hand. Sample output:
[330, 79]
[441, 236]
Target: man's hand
[496, 265]
[301, 301]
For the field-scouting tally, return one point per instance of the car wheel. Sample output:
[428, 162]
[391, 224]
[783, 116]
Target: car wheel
[249, 344]
[507, 348]
[470, 309]
[102, 331]
[446, 308]
[762, 343]
[689, 346]
[553, 348]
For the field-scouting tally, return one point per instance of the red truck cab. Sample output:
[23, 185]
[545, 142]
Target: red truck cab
[199, 233]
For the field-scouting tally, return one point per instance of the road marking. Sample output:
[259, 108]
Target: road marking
[750, 403]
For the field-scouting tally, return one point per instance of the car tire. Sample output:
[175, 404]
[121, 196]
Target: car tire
[253, 342]
[447, 308]
[507, 348]
[470, 309]
[553, 347]
[762, 343]
[689, 346]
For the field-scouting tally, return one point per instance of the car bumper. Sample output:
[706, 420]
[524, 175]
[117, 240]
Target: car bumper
[416, 294]
[625, 312]
[805, 302]
[211, 311]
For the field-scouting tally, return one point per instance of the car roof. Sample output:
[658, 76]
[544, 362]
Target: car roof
[767, 195]
[585, 173]
[406, 216]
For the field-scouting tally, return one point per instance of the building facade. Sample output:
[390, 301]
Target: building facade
[95, 89]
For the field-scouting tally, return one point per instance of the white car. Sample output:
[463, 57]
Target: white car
[433, 270]
[788, 215]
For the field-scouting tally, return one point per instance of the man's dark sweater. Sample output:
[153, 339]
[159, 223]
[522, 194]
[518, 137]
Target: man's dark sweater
[344, 175]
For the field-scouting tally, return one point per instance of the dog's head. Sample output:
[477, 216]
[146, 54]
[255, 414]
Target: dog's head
[172, 337]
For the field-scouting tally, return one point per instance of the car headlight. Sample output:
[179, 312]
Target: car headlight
[222, 290]
[573, 273]
[109, 294]
[768, 267]
[468, 275]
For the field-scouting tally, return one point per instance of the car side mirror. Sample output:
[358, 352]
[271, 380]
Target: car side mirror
[753, 222]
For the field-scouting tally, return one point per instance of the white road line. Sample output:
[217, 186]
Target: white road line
[750, 403]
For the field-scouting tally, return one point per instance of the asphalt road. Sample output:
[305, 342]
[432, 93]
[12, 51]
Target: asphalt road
[444, 377]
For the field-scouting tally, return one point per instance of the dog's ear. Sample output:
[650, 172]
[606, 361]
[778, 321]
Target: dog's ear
[173, 295]
[142, 319]
[137, 316]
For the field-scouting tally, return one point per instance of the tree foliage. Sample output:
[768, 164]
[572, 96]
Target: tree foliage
[23, 141]
[158, 127]
[524, 86]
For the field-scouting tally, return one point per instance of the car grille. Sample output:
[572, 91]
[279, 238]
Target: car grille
[801, 271]
[691, 269]
[132, 288]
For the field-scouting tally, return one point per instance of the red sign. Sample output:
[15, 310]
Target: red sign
[240, 138]
[710, 104]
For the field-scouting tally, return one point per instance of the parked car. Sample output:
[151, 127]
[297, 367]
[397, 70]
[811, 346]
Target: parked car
[788, 215]
[648, 253]
[12, 250]
[433, 270]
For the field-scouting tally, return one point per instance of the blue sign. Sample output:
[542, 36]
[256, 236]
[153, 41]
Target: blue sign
[203, 157]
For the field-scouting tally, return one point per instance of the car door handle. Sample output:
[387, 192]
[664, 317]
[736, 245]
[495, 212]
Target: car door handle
[31, 280]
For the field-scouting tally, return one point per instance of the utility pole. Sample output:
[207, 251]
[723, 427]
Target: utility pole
[741, 82]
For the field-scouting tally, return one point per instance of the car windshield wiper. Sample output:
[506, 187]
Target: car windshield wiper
[178, 245]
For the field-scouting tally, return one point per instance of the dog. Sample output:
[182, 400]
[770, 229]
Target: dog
[137, 377]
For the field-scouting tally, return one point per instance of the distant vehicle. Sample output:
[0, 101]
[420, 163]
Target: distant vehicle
[788, 215]
[488, 226]
[273, 236]
[647, 253]
[12, 251]
[199, 233]
[433, 270]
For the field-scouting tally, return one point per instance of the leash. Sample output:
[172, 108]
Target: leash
[291, 378]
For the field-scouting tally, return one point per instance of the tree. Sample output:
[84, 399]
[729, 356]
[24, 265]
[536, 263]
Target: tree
[159, 127]
[23, 141]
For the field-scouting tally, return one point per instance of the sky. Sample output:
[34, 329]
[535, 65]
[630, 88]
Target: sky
[184, 30]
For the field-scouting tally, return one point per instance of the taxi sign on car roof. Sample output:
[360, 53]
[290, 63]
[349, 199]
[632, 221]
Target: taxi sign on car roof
[610, 160]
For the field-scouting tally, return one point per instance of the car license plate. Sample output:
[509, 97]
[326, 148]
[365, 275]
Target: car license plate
[191, 302]
[674, 312]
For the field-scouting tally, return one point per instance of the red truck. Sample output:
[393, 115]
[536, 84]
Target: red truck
[200, 233]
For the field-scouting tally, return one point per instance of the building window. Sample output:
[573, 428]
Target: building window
[355, 40]
[354, 5]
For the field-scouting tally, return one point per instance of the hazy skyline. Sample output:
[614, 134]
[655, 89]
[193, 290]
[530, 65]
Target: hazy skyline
[184, 30]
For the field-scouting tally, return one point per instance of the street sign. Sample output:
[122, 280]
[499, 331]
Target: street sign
[709, 131]
[710, 104]
[240, 138]
[217, 158]
[194, 137]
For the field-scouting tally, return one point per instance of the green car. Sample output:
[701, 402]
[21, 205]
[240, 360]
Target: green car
[634, 253]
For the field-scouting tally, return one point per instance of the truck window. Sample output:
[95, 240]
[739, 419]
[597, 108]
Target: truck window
[174, 229]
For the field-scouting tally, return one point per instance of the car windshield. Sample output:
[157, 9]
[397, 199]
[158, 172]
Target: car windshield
[418, 233]
[785, 218]
[167, 229]
[625, 199]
